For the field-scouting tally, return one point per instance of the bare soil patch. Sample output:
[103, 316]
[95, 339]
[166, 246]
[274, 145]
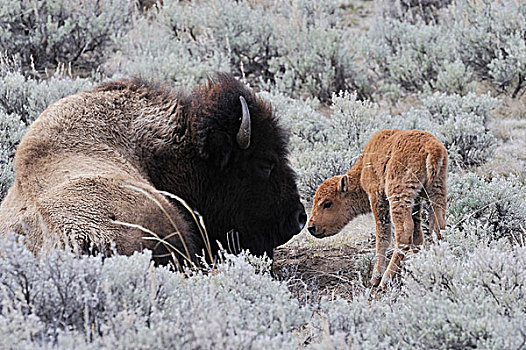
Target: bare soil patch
[338, 265]
[323, 271]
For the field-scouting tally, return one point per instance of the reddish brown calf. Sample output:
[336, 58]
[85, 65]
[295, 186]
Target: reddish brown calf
[397, 169]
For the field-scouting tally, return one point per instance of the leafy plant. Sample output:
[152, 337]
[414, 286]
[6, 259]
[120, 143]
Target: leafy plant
[92, 302]
[497, 206]
[415, 57]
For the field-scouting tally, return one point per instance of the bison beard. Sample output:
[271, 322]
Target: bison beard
[90, 168]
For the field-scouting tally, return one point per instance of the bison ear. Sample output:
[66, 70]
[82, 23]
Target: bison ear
[344, 184]
[220, 149]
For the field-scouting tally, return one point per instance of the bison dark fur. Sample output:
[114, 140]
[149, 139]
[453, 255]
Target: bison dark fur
[86, 164]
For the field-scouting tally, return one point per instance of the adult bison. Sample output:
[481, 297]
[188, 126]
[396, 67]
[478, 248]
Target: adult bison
[88, 171]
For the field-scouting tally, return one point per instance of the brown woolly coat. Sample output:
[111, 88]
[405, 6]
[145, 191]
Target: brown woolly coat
[92, 163]
[397, 169]
[72, 176]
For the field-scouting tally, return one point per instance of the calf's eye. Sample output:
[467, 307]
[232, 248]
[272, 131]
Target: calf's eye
[327, 205]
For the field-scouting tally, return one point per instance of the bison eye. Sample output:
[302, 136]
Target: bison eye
[265, 172]
[265, 169]
[327, 205]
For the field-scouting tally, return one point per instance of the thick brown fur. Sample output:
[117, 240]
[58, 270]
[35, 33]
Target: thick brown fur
[397, 169]
[93, 162]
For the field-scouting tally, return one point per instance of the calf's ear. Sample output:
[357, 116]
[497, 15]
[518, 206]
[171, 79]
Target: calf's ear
[344, 184]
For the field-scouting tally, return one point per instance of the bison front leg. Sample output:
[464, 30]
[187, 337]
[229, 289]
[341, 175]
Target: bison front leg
[380, 208]
[401, 210]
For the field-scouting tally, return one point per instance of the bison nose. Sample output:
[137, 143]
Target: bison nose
[294, 222]
[312, 230]
[302, 218]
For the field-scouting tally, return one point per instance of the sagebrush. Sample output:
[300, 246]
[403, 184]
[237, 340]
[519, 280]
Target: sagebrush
[333, 81]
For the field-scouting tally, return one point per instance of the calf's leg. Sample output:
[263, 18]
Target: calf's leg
[418, 235]
[380, 208]
[438, 202]
[401, 209]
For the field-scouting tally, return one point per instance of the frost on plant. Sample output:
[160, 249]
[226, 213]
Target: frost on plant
[490, 40]
[87, 300]
[46, 33]
[498, 206]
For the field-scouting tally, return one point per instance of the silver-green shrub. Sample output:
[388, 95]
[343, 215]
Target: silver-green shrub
[460, 122]
[413, 11]
[410, 49]
[121, 300]
[46, 33]
[476, 300]
[316, 53]
[489, 37]
[152, 50]
[245, 32]
[11, 131]
[62, 301]
[303, 47]
[412, 57]
[496, 207]
[445, 302]
[22, 99]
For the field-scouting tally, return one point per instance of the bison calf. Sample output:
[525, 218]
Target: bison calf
[397, 169]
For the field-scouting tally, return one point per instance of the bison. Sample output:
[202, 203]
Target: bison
[90, 170]
[395, 172]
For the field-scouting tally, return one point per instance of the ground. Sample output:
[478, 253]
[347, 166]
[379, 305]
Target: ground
[336, 265]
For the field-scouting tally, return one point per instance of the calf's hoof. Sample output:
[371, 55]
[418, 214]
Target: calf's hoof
[383, 284]
[388, 279]
[375, 280]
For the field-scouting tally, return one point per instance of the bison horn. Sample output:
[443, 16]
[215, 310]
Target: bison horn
[243, 135]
